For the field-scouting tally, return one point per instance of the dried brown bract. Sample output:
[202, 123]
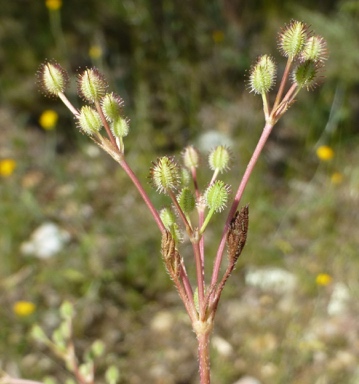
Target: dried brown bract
[237, 234]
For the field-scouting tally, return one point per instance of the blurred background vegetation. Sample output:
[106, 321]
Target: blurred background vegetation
[181, 68]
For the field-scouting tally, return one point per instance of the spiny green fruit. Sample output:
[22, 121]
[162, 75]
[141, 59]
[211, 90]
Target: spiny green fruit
[293, 38]
[89, 120]
[91, 85]
[216, 196]
[219, 159]
[262, 75]
[52, 78]
[164, 174]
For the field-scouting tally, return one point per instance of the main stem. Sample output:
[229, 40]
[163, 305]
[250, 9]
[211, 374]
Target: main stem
[203, 358]
[203, 331]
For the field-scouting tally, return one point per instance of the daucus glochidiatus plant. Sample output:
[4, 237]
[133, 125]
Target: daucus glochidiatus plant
[102, 119]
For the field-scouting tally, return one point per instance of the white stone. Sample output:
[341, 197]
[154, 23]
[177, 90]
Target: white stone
[46, 241]
[247, 380]
[211, 139]
[339, 300]
[162, 322]
[222, 346]
[272, 279]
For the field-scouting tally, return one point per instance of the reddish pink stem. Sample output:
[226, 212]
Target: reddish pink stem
[203, 358]
[252, 162]
[282, 84]
[143, 194]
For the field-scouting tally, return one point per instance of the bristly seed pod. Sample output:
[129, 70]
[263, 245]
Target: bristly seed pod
[169, 221]
[120, 127]
[216, 196]
[168, 217]
[219, 159]
[112, 105]
[315, 49]
[52, 78]
[92, 85]
[186, 200]
[185, 176]
[305, 74]
[293, 38]
[237, 234]
[262, 75]
[190, 157]
[165, 174]
[89, 120]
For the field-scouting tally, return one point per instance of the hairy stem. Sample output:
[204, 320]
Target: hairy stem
[105, 124]
[143, 194]
[200, 213]
[13, 380]
[68, 104]
[252, 162]
[200, 278]
[203, 331]
[283, 82]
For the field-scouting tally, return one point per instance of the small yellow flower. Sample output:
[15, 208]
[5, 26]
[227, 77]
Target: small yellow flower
[53, 5]
[23, 308]
[95, 52]
[325, 153]
[7, 167]
[323, 279]
[336, 178]
[48, 119]
[217, 36]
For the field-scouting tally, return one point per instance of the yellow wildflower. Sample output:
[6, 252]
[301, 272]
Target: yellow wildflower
[7, 167]
[323, 279]
[336, 178]
[48, 119]
[217, 36]
[95, 52]
[23, 308]
[325, 153]
[53, 5]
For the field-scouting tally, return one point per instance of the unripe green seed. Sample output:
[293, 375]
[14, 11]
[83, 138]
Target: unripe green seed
[65, 329]
[112, 375]
[89, 120]
[38, 334]
[216, 196]
[86, 371]
[305, 74]
[185, 176]
[315, 49]
[262, 76]
[119, 127]
[293, 38]
[59, 339]
[52, 78]
[219, 159]
[165, 174]
[168, 217]
[190, 157]
[98, 348]
[67, 310]
[186, 200]
[112, 106]
[92, 85]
